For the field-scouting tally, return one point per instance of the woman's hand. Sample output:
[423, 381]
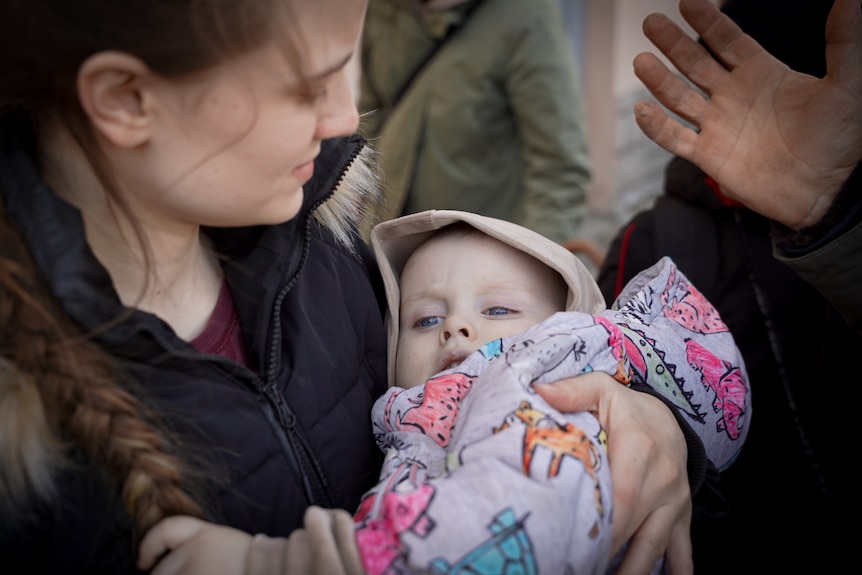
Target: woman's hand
[193, 546]
[779, 141]
[325, 545]
[647, 455]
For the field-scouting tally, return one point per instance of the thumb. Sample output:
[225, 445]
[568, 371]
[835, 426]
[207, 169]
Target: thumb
[164, 536]
[580, 393]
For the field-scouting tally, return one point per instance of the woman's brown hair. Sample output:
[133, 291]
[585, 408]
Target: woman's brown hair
[70, 390]
[58, 388]
[44, 42]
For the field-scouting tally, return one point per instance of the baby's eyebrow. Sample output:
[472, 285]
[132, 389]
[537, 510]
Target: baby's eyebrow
[415, 299]
[505, 288]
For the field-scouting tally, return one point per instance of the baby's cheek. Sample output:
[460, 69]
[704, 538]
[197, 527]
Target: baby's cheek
[408, 371]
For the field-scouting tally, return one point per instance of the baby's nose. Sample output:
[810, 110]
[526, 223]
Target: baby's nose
[453, 326]
[461, 331]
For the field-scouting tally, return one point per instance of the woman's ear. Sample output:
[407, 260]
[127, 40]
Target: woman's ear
[113, 90]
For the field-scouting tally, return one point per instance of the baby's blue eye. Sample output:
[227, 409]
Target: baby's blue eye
[498, 311]
[428, 321]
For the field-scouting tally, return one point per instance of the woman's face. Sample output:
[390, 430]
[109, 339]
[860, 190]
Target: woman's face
[236, 143]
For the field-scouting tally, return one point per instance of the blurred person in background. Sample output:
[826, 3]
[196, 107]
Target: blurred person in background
[476, 105]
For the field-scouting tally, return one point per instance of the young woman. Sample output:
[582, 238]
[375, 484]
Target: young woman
[178, 187]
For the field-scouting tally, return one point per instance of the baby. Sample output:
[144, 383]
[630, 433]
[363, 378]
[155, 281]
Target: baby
[480, 471]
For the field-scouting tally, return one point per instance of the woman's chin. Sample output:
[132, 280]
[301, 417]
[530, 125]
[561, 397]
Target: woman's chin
[281, 210]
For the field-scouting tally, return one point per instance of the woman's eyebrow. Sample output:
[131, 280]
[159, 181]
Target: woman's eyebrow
[332, 69]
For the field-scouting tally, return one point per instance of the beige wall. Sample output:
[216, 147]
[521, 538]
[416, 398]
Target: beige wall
[629, 39]
[627, 167]
[613, 39]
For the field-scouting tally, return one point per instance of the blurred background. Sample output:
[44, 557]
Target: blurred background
[627, 168]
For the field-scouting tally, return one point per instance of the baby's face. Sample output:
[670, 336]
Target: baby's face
[460, 292]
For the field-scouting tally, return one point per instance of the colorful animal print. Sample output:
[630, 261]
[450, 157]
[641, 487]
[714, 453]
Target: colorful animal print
[541, 430]
[436, 410]
[689, 308]
[395, 506]
[726, 381]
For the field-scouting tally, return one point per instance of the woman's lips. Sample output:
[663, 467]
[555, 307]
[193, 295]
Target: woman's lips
[304, 172]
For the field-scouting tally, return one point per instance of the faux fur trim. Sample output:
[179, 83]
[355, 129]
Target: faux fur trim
[350, 207]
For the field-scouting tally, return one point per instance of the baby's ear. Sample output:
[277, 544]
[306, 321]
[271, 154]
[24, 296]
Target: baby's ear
[113, 88]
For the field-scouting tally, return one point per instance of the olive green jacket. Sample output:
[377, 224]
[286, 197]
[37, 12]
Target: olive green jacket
[836, 272]
[492, 125]
[828, 255]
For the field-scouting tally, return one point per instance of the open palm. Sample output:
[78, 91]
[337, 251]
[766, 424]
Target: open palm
[779, 141]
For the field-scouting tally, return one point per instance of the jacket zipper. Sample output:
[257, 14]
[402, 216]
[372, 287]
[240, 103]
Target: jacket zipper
[296, 449]
[292, 443]
[299, 453]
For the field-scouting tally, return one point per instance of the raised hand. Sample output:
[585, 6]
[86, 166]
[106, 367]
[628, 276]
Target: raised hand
[779, 141]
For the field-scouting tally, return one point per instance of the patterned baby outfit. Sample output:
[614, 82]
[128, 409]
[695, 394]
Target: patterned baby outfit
[482, 476]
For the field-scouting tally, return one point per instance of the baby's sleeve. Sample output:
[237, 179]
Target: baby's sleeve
[494, 479]
[678, 345]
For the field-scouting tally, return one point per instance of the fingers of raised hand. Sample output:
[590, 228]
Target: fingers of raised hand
[687, 56]
[665, 131]
[671, 90]
[844, 44]
[723, 36]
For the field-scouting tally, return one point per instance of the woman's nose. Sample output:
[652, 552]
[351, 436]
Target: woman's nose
[338, 116]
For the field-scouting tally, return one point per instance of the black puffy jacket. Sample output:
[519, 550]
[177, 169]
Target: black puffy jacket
[785, 490]
[268, 443]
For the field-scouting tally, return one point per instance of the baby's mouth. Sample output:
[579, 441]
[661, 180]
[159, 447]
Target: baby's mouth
[452, 361]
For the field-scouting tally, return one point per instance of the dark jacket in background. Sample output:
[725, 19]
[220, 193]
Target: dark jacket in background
[789, 493]
[785, 490]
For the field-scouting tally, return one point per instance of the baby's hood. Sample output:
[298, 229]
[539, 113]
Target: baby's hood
[395, 240]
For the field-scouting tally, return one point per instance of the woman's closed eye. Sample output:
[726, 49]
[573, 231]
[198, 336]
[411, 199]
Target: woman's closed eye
[312, 95]
[309, 93]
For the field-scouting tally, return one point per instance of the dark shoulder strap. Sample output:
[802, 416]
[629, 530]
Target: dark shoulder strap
[431, 53]
[689, 235]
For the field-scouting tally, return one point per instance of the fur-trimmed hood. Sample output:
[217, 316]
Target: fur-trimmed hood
[395, 240]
